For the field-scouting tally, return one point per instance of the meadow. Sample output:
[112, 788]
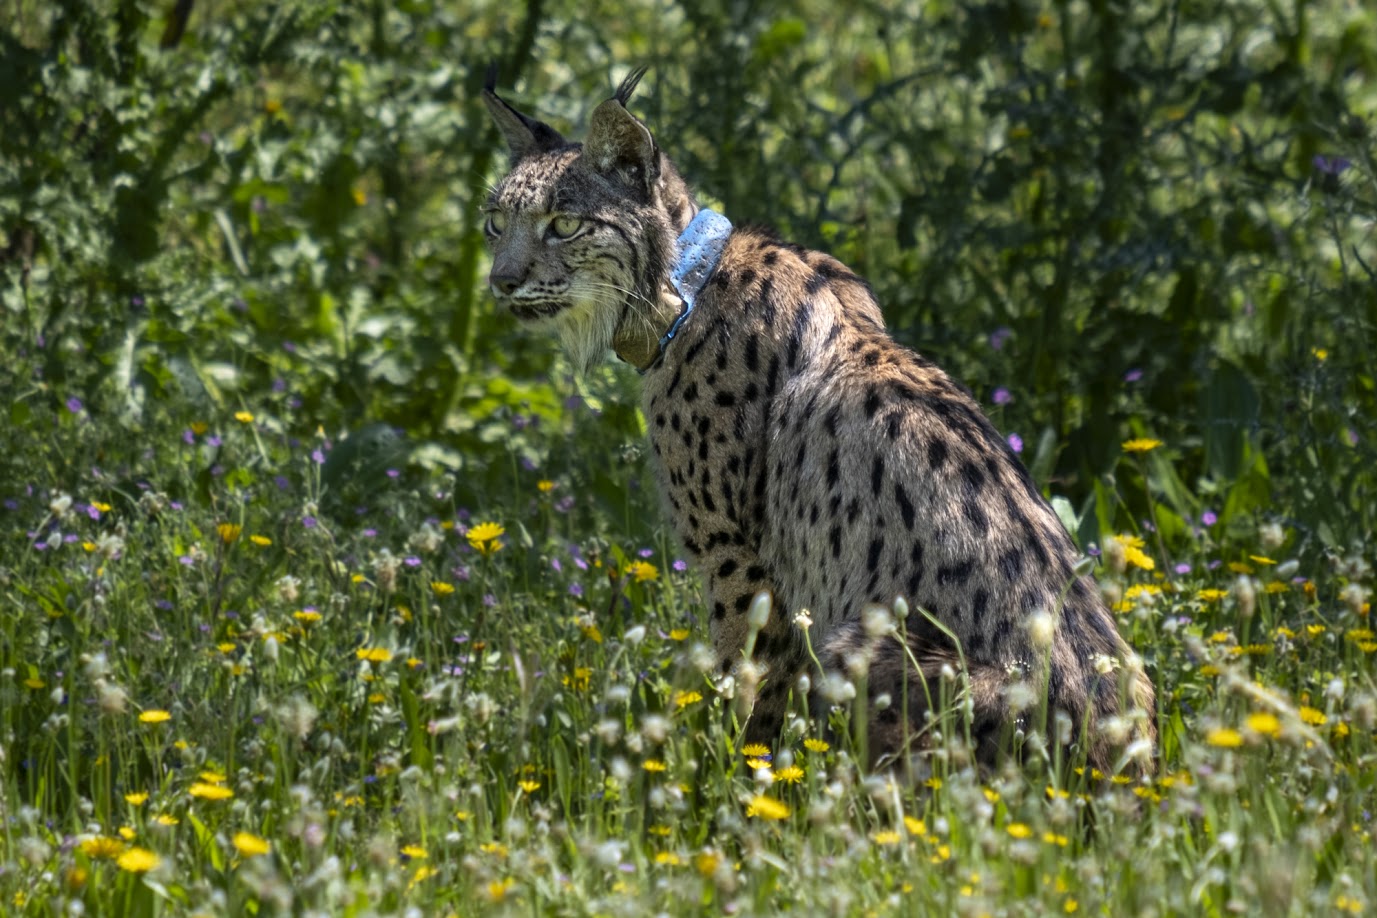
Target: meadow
[325, 590]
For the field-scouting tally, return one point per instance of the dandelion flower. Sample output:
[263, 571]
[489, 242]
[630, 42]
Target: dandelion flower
[210, 791]
[104, 847]
[684, 699]
[1263, 723]
[916, 827]
[767, 808]
[1224, 738]
[138, 798]
[1211, 595]
[813, 744]
[244, 417]
[440, 588]
[1313, 716]
[654, 766]
[229, 532]
[261, 541]
[755, 750]
[1019, 830]
[545, 486]
[528, 786]
[484, 536]
[415, 852]
[886, 837]
[138, 860]
[1140, 445]
[374, 654]
[642, 571]
[678, 634]
[154, 716]
[792, 774]
[250, 845]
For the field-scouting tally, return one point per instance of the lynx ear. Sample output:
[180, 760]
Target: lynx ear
[524, 135]
[619, 146]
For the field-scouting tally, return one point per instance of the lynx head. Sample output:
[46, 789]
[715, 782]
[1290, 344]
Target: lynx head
[583, 235]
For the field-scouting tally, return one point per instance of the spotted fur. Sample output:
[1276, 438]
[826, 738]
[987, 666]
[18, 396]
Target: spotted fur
[803, 452]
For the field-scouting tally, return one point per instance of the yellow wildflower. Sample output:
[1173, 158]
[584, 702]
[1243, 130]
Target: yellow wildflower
[309, 616]
[1211, 595]
[655, 766]
[767, 808]
[678, 634]
[667, 857]
[886, 837]
[1313, 716]
[138, 798]
[374, 654]
[642, 571]
[138, 860]
[684, 699]
[793, 774]
[916, 827]
[816, 745]
[484, 536]
[1263, 723]
[243, 417]
[1140, 445]
[104, 847]
[545, 486]
[1224, 738]
[250, 845]
[261, 541]
[154, 716]
[229, 532]
[440, 588]
[1019, 830]
[210, 791]
[415, 852]
[755, 750]
[529, 786]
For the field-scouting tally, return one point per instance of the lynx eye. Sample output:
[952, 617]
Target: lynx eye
[497, 222]
[564, 226]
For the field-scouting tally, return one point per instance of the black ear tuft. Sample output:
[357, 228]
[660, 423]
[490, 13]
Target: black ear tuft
[524, 135]
[628, 85]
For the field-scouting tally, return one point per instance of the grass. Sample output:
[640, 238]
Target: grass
[224, 694]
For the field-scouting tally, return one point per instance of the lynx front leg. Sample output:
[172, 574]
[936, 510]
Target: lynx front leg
[734, 579]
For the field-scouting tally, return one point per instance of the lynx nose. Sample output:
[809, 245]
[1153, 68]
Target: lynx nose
[505, 284]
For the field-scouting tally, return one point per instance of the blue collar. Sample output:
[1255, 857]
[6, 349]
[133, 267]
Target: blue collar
[700, 247]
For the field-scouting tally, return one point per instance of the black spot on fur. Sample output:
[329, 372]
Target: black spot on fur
[937, 453]
[743, 602]
[1011, 564]
[906, 510]
[691, 392]
[877, 475]
[727, 569]
[957, 573]
[872, 401]
[872, 558]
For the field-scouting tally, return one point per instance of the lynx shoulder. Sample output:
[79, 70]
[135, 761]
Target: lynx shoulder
[802, 452]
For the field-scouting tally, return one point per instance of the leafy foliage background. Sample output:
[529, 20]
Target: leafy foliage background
[1136, 218]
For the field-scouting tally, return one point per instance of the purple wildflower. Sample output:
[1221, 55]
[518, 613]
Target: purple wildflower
[1002, 396]
[1331, 165]
[1133, 375]
[575, 589]
[1208, 518]
[680, 564]
[74, 405]
[1015, 443]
